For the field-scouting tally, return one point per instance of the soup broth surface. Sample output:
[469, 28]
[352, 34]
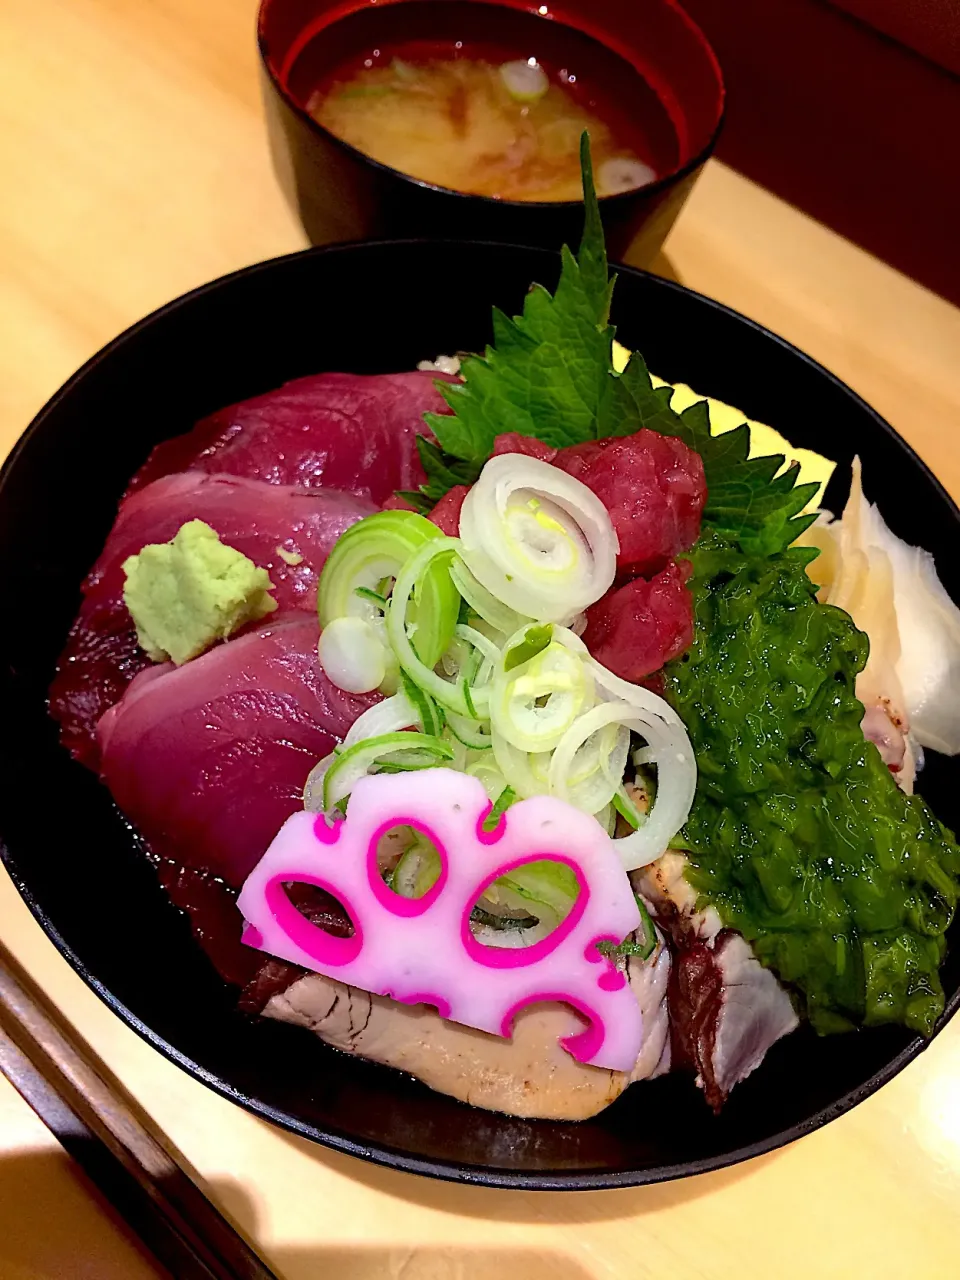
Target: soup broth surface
[457, 122]
[485, 100]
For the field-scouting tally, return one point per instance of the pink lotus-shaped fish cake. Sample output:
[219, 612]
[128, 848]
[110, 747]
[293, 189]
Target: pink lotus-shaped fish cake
[422, 950]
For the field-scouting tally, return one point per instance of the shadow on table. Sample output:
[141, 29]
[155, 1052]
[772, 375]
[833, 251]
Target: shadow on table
[55, 1225]
[663, 266]
[529, 1206]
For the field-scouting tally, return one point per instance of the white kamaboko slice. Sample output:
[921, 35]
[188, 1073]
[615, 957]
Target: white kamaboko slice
[537, 539]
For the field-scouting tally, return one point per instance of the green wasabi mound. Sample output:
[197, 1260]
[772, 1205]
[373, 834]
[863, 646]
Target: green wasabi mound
[186, 594]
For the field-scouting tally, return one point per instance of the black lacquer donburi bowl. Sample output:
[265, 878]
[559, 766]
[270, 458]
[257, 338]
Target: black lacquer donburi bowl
[376, 308]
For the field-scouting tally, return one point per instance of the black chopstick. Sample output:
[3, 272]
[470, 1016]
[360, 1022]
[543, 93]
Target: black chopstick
[112, 1139]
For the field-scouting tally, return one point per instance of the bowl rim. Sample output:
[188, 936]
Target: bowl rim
[381, 1153]
[668, 182]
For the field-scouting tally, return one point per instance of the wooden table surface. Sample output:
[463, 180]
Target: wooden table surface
[134, 167]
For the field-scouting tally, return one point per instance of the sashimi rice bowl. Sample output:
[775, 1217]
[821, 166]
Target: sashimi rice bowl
[524, 723]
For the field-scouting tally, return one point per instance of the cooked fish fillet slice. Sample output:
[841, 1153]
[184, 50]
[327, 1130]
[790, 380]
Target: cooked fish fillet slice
[650, 982]
[756, 1013]
[529, 1075]
[725, 1009]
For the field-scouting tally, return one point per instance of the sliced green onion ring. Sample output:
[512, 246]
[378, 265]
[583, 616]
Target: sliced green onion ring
[533, 639]
[352, 654]
[409, 750]
[589, 783]
[676, 773]
[537, 539]
[378, 601]
[449, 694]
[429, 713]
[515, 766]
[313, 787]
[374, 550]
[525, 80]
[533, 704]
[417, 871]
[487, 772]
[363, 557]
[461, 754]
[546, 889]
[480, 600]
[483, 644]
[644, 699]
[612, 765]
[388, 716]
[628, 810]
[607, 817]
[474, 734]
[504, 800]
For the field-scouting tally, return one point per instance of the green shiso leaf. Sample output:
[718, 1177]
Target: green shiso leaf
[546, 373]
[549, 374]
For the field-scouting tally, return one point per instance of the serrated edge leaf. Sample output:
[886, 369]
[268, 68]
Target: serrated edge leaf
[746, 497]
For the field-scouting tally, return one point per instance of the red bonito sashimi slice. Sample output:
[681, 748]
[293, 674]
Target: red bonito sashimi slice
[654, 488]
[100, 659]
[337, 430]
[286, 530]
[272, 524]
[208, 760]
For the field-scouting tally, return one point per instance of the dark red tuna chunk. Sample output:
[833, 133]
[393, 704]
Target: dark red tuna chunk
[634, 630]
[654, 489]
[446, 514]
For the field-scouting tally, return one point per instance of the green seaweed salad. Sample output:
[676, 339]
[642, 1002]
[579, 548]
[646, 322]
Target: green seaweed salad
[798, 835]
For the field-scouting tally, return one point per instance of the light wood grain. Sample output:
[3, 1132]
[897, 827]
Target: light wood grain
[134, 166]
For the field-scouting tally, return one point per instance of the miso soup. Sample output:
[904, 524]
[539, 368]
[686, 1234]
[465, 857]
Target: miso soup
[485, 100]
